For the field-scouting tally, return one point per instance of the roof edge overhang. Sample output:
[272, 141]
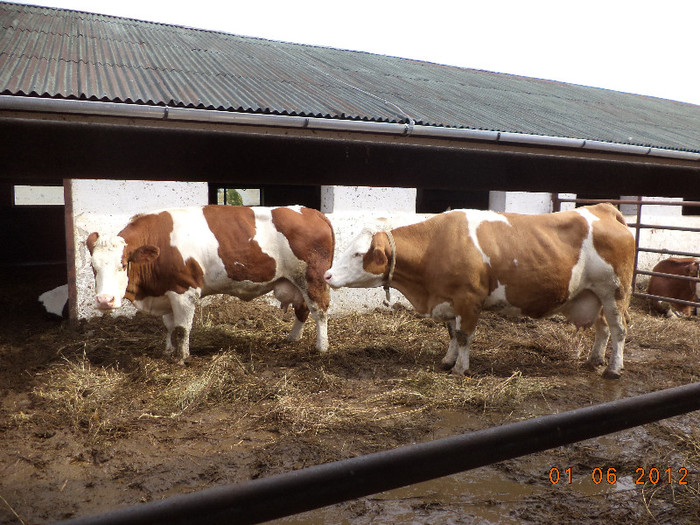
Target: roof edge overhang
[164, 114]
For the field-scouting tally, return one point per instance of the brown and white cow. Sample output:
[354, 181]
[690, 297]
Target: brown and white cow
[682, 289]
[453, 265]
[164, 261]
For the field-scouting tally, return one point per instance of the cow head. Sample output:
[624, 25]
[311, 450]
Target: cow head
[363, 264]
[110, 258]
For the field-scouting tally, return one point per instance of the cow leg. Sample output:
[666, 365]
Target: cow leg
[169, 323]
[183, 306]
[297, 295]
[319, 316]
[321, 319]
[602, 335]
[457, 354]
[463, 342]
[453, 349]
[301, 314]
[316, 300]
[614, 315]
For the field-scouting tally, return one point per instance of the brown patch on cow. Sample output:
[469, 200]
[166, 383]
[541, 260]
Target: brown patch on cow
[312, 240]
[234, 229]
[533, 257]
[168, 271]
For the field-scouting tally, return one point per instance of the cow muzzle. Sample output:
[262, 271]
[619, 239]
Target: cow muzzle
[332, 280]
[107, 302]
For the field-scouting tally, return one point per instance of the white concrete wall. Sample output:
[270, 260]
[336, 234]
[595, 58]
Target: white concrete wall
[105, 206]
[520, 202]
[336, 199]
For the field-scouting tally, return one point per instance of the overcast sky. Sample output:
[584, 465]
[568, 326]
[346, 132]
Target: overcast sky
[635, 46]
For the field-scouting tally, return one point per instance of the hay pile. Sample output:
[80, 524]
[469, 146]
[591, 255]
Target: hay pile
[381, 375]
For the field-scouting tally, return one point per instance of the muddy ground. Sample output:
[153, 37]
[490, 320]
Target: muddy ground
[95, 418]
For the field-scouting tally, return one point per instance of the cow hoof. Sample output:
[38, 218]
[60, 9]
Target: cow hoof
[591, 365]
[455, 372]
[446, 366]
[611, 374]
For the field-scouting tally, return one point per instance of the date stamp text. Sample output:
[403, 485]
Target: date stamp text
[642, 476]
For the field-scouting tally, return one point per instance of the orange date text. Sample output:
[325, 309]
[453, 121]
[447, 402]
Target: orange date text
[602, 475]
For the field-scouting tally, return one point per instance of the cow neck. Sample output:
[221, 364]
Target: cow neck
[392, 267]
[409, 274]
[130, 283]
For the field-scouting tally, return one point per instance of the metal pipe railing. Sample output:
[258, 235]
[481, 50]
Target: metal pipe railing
[278, 496]
[669, 252]
[667, 299]
[671, 275]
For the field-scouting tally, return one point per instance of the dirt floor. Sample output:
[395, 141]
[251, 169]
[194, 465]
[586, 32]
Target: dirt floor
[95, 418]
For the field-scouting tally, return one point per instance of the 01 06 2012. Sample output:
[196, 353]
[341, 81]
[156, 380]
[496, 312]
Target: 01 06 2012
[642, 475]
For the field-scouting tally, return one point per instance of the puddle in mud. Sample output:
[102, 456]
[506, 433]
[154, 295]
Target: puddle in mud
[487, 495]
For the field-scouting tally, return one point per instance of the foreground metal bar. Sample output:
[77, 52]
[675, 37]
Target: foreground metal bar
[277, 496]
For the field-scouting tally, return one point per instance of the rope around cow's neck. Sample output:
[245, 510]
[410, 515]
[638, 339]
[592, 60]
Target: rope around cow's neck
[392, 265]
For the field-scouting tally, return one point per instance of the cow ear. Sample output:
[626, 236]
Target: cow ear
[91, 241]
[144, 254]
[379, 257]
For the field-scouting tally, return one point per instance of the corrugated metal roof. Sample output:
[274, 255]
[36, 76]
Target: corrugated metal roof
[67, 54]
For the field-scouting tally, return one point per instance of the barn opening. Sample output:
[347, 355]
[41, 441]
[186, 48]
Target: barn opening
[236, 193]
[33, 228]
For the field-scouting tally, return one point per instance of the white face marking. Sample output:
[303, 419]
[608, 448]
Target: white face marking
[348, 269]
[111, 277]
[474, 220]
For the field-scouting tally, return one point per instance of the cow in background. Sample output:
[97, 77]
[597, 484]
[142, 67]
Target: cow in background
[164, 262]
[682, 289]
[453, 265]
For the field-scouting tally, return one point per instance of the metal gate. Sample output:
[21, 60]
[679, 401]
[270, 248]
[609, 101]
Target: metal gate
[638, 227]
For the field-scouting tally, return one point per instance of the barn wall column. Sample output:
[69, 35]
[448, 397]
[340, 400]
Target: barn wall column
[106, 206]
[356, 198]
[520, 202]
